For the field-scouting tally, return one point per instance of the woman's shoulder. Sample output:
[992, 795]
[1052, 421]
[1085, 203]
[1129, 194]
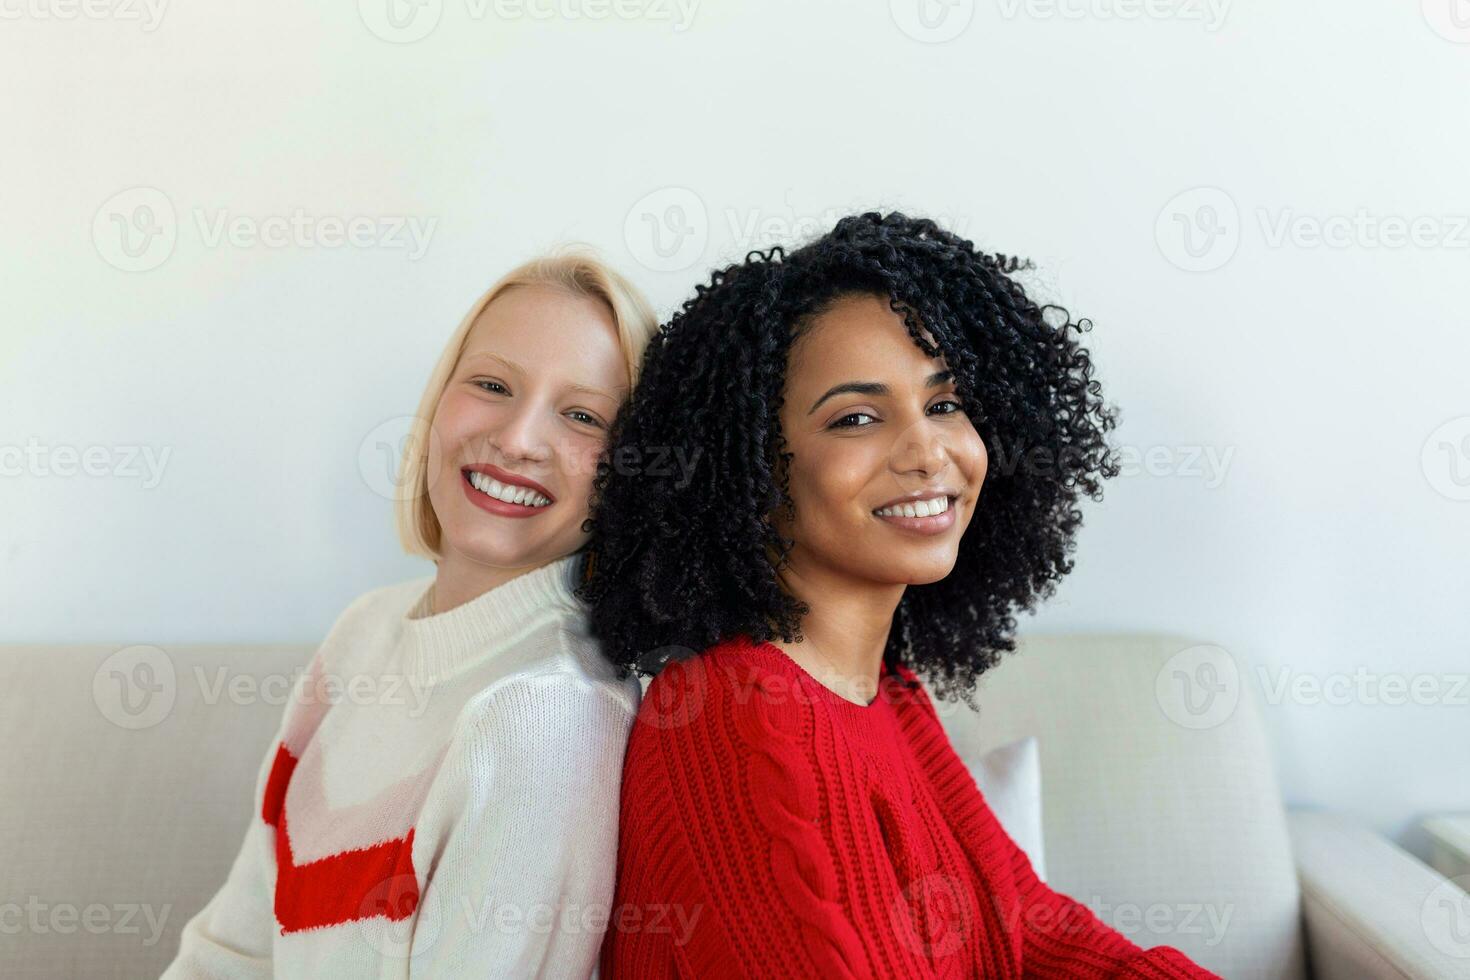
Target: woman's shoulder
[559, 697]
[547, 736]
[738, 699]
[554, 711]
[559, 664]
[723, 745]
[735, 675]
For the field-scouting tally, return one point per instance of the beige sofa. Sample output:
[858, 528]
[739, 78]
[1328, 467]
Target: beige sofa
[127, 778]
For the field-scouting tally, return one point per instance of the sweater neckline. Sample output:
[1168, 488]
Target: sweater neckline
[440, 645]
[889, 681]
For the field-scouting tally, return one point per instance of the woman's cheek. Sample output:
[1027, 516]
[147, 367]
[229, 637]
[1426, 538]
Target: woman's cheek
[579, 460]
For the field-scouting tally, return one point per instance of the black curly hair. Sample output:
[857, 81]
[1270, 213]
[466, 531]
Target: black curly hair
[681, 548]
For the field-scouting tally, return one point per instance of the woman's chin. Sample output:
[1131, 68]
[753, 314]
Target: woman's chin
[931, 575]
[494, 551]
[910, 570]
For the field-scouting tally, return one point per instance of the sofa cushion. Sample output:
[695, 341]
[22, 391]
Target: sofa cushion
[1009, 777]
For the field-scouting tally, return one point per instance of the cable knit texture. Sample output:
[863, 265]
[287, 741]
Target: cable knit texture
[440, 800]
[773, 828]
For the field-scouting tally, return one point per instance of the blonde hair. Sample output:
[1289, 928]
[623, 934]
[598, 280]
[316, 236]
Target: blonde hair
[575, 269]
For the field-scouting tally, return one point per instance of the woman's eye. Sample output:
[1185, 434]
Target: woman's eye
[586, 417]
[842, 423]
[488, 385]
[958, 406]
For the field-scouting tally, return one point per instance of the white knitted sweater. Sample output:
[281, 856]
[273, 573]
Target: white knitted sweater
[441, 798]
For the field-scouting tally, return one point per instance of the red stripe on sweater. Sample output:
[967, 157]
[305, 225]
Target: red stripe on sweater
[275, 786]
[358, 884]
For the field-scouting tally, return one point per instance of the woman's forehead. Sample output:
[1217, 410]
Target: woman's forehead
[864, 337]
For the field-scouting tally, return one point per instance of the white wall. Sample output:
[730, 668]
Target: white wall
[1332, 540]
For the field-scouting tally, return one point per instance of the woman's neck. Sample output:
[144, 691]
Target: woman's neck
[460, 579]
[846, 631]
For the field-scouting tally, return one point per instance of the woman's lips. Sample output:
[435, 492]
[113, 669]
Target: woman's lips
[494, 504]
[934, 524]
[507, 478]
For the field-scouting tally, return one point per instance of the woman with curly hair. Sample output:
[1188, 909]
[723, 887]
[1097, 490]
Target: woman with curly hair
[791, 806]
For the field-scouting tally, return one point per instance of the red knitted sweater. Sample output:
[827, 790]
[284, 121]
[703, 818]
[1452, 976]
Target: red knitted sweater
[772, 828]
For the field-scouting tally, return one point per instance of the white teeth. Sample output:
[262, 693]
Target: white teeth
[513, 495]
[919, 508]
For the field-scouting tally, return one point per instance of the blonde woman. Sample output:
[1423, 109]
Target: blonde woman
[442, 796]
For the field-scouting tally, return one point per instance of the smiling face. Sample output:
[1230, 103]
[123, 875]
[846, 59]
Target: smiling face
[873, 422]
[521, 425]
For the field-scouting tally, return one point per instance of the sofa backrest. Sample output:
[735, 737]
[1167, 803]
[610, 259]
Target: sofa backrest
[125, 790]
[1161, 809]
[128, 778]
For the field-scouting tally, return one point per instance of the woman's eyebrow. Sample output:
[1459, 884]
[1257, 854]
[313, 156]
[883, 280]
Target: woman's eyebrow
[483, 354]
[875, 387]
[610, 394]
[602, 392]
